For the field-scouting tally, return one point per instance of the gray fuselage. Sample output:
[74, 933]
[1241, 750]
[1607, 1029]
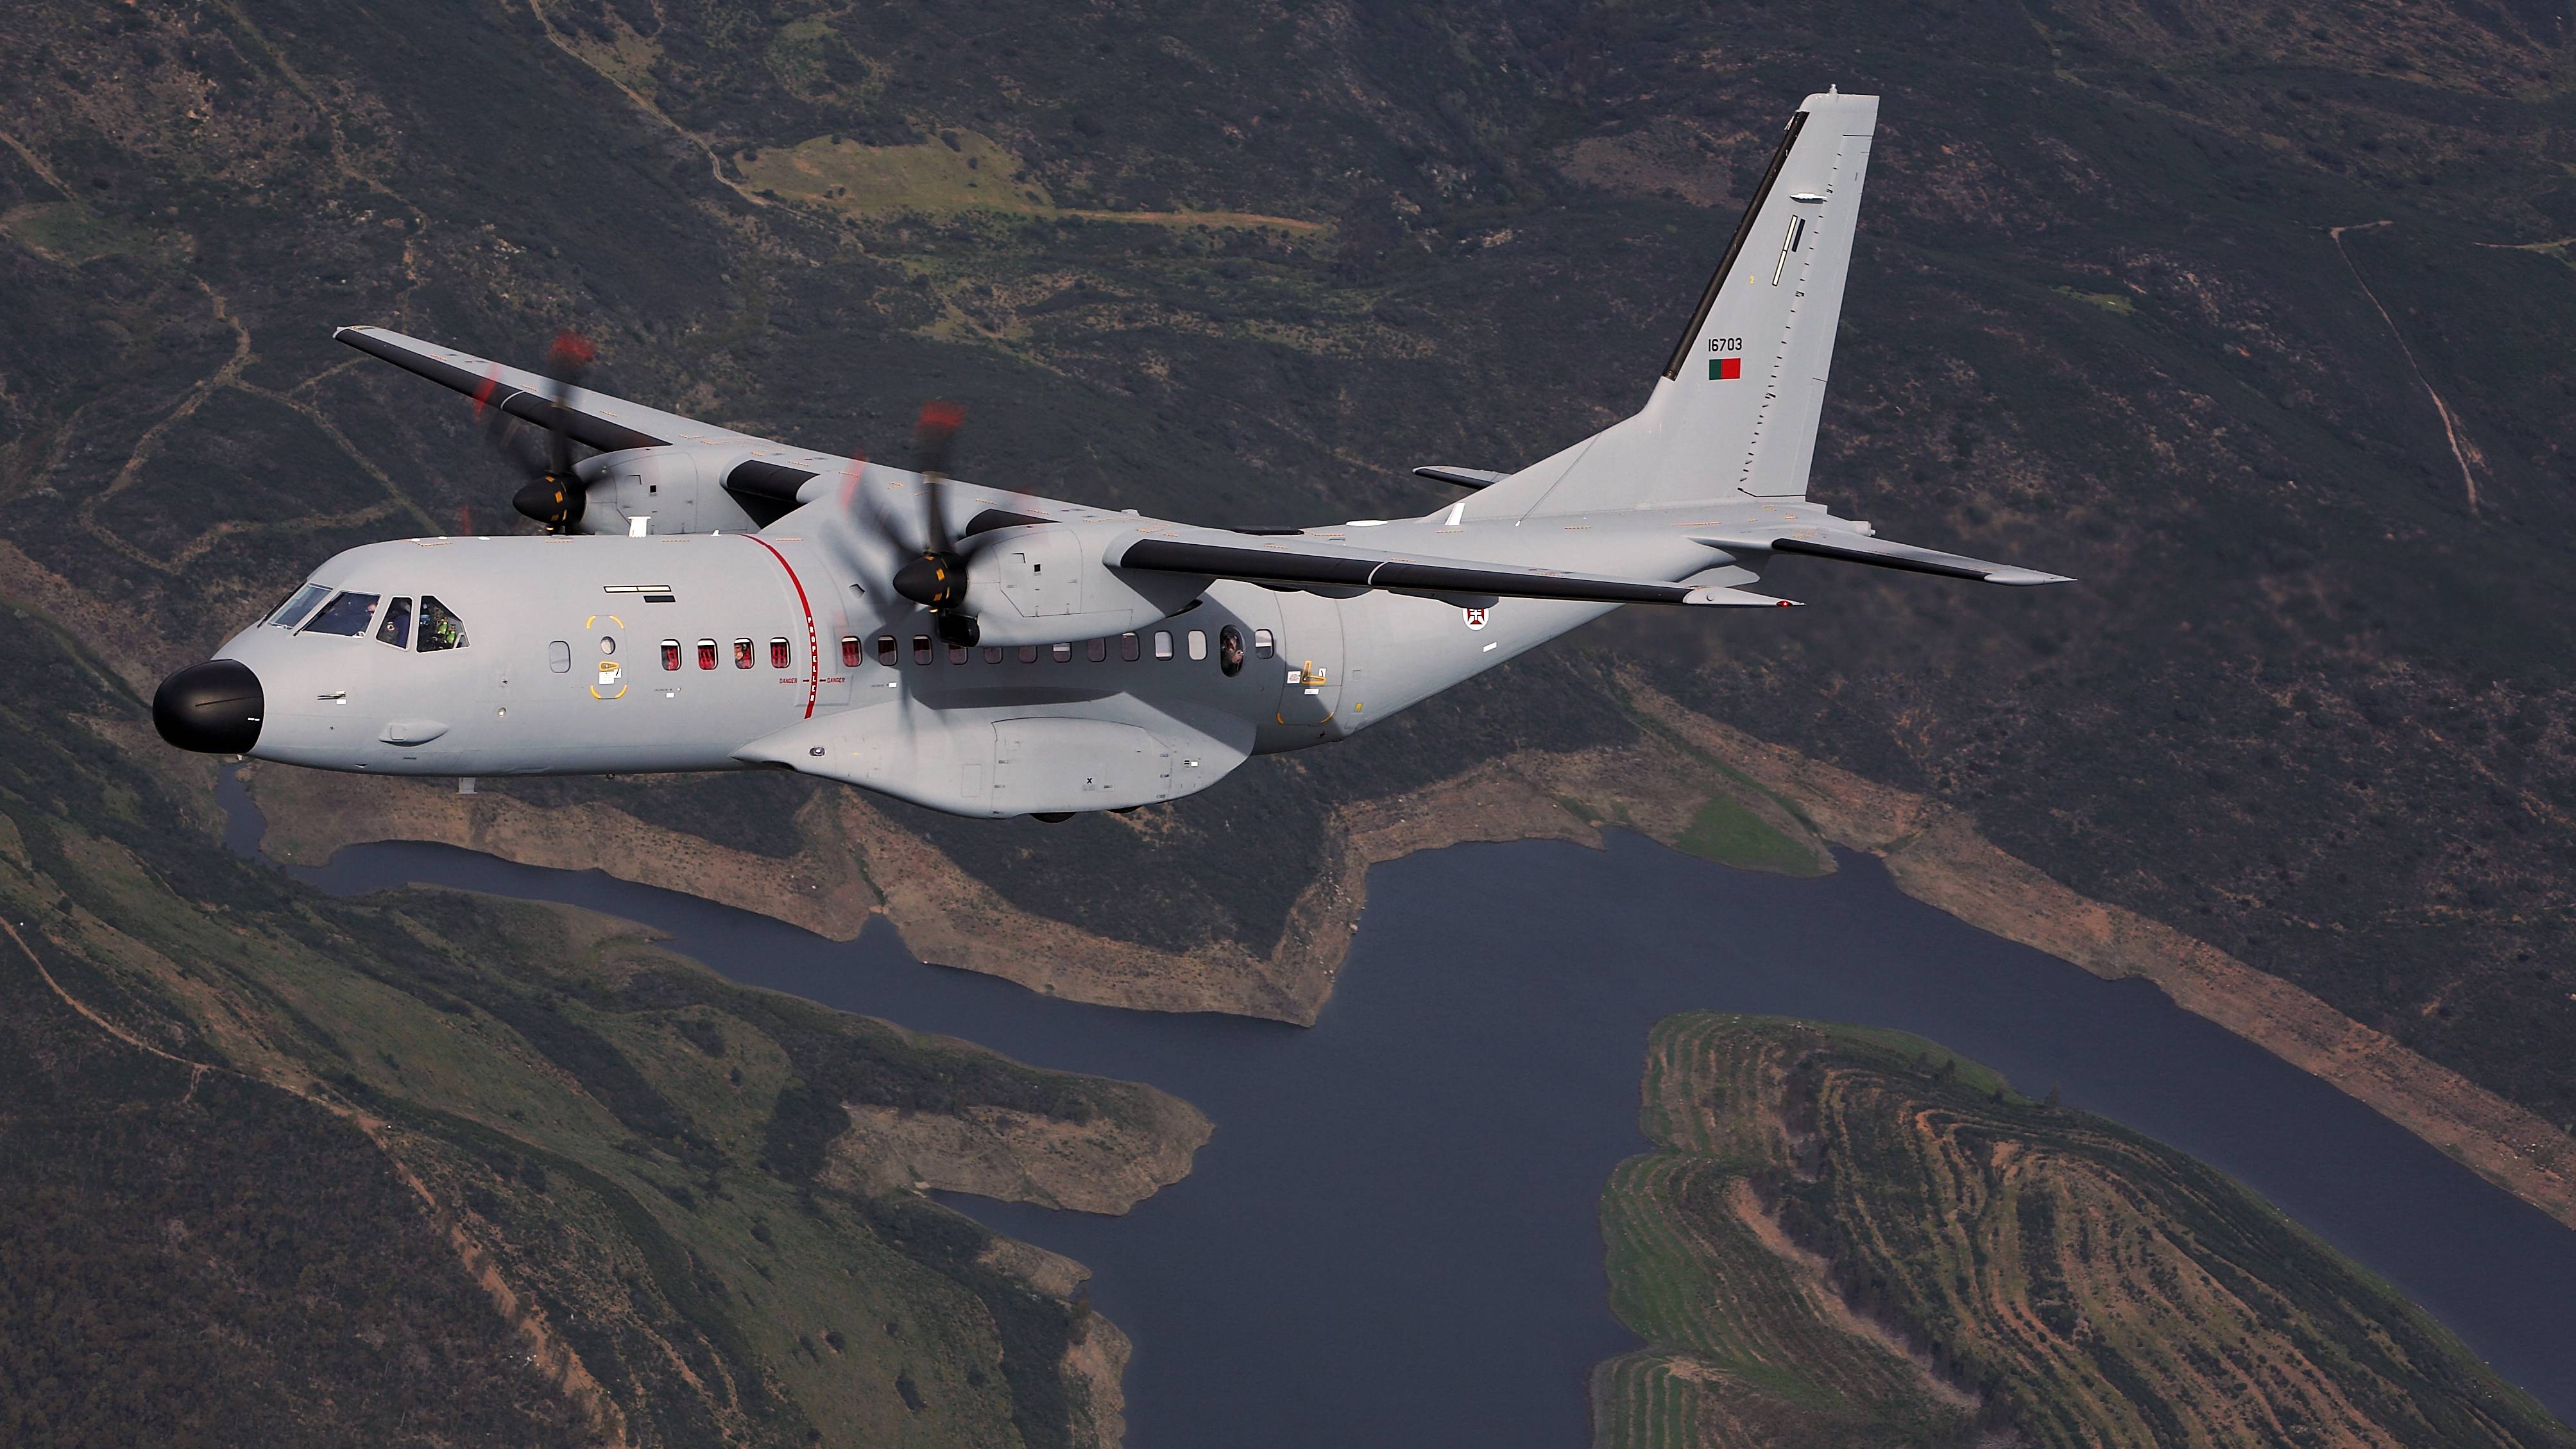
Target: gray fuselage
[588, 654]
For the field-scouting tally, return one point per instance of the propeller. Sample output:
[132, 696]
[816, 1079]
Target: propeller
[935, 578]
[552, 495]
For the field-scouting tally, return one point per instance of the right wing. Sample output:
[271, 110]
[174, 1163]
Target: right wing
[1302, 562]
[1861, 548]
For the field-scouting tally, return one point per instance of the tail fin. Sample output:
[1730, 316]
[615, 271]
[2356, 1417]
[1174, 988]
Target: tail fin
[1734, 417]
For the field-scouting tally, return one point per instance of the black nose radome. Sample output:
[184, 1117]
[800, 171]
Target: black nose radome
[212, 708]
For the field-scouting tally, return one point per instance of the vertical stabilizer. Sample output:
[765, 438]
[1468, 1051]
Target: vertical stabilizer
[1734, 415]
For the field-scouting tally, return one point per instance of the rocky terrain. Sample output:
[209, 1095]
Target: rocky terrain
[2253, 319]
[1850, 1236]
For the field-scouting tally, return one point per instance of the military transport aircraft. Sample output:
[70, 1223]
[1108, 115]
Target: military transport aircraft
[708, 600]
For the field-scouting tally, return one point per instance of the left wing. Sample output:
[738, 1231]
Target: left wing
[596, 419]
[1314, 563]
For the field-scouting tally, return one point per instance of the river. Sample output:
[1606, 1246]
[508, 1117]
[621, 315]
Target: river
[1392, 1238]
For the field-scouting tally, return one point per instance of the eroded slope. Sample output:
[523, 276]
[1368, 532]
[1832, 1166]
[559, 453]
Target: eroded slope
[1852, 1234]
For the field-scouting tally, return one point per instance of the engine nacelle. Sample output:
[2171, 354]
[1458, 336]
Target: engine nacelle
[1043, 583]
[673, 490]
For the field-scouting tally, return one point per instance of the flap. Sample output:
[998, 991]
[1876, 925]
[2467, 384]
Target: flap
[1313, 563]
[1860, 548]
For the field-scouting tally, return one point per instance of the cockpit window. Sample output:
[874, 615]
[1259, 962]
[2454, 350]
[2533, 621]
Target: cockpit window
[299, 604]
[439, 626]
[348, 614]
[396, 629]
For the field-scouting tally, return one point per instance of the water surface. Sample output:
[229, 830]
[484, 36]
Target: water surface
[1392, 1238]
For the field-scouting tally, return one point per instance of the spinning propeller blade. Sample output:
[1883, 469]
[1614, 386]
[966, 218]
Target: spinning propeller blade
[935, 578]
[552, 495]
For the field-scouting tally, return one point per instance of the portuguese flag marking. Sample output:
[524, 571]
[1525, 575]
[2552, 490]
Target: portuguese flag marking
[1725, 369]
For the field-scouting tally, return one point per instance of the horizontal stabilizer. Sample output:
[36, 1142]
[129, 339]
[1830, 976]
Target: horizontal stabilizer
[1860, 548]
[1335, 567]
[1461, 477]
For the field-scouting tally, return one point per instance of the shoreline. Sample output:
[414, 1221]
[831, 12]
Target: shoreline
[856, 864]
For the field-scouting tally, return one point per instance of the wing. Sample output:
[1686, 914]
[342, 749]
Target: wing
[596, 419]
[1460, 477]
[1861, 548]
[1303, 562]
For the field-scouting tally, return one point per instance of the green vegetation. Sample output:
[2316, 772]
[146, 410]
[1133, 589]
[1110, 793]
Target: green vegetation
[1726, 832]
[2340, 771]
[72, 234]
[957, 171]
[268, 1144]
[1851, 1236]
[2279, 713]
[2111, 302]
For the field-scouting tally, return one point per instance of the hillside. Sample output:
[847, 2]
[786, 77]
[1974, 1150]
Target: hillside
[2253, 321]
[1850, 1236]
[425, 1168]
[2306, 707]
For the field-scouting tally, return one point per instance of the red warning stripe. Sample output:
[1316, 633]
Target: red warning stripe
[813, 641]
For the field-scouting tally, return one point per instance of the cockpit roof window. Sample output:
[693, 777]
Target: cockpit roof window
[299, 604]
[348, 614]
[439, 626]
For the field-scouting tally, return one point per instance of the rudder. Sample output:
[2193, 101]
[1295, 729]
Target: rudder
[1734, 415]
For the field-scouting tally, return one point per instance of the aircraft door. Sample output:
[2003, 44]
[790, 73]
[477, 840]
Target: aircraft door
[1310, 658]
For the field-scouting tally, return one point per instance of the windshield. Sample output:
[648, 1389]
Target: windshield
[439, 627]
[396, 629]
[299, 604]
[348, 614]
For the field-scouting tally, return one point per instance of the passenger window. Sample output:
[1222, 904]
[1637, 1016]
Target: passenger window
[396, 629]
[1063, 653]
[1198, 643]
[439, 626]
[956, 653]
[849, 651]
[921, 649]
[1099, 650]
[299, 604]
[778, 654]
[1262, 644]
[1229, 650]
[1162, 643]
[1028, 654]
[742, 654]
[349, 614]
[1129, 647]
[559, 657]
[706, 654]
[670, 654]
[993, 653]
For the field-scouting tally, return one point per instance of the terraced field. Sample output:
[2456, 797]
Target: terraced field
[1852, 1237]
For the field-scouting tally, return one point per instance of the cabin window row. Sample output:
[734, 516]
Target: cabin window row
[925, 650]
[746, 654]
